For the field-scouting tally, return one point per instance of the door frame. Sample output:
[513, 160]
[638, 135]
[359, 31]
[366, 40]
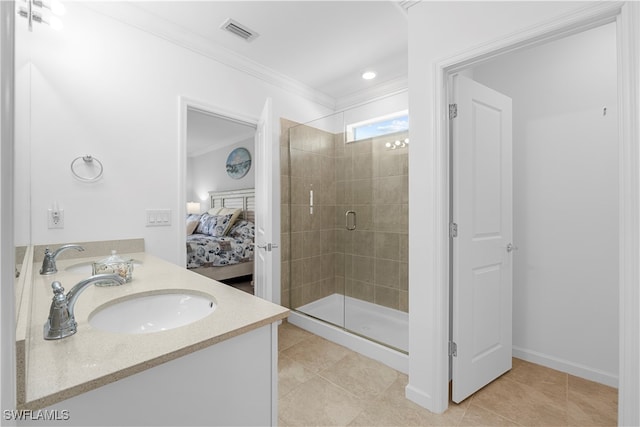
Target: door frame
[626, 15]
[185, 104]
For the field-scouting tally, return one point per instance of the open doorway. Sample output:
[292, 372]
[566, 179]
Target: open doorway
[566, 205]
[220, 183]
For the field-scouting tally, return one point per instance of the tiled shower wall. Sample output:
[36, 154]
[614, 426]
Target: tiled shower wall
[311, 233]
[369, 263]
[372, 180]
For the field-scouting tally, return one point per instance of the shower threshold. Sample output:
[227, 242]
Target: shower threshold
[382, 324]
[308, 318]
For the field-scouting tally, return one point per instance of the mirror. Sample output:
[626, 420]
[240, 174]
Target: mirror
[79, 94]
[22, 147]
[102, 88]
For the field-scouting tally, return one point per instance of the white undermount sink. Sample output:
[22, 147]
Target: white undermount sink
[152, 313]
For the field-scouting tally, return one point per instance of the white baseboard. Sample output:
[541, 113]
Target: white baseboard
[421, 398]
[566, 366]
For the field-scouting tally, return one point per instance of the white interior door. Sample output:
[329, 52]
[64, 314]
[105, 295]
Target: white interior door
[263, 254]
[482, 251]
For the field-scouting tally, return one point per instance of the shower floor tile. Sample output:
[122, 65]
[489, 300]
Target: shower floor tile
[322, 383]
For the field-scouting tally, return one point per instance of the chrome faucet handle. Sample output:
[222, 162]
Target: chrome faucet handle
[49, 260]
[48, 263]
[57, 288]
[58, 292]
[61, 322]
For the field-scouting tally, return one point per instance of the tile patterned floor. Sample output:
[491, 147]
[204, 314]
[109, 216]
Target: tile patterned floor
[325, 384]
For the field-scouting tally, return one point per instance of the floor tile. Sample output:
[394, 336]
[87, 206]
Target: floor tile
[289, 335]
[322, 383]
[315, 353]
[521, 403]
[363, 377]
[394, 409]
[317, 402]
[290, 375]
[549, 382]
[591, 404]
[478, 416]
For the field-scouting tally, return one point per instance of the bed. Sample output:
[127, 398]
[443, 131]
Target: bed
[220, 245]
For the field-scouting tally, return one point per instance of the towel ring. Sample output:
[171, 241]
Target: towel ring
[88, 161]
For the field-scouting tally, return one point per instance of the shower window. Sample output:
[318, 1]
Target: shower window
[379, 126]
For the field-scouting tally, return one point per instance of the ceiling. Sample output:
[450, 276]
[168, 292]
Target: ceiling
[208, 132]
[318, 49]
[325, 45]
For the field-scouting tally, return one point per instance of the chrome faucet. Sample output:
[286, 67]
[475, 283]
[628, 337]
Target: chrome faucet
[49, 261]
[61, 322]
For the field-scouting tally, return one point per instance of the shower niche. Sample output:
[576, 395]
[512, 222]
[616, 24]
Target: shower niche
[347, 206]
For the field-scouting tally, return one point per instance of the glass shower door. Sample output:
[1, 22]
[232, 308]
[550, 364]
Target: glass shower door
[348, 228]
[316, 283]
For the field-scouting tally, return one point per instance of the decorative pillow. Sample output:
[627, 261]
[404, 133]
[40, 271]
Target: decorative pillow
[234, 212]
[192, 222]
[243, 229]
[213, 225]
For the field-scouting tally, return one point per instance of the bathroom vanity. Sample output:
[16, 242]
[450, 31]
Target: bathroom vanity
[220, 369]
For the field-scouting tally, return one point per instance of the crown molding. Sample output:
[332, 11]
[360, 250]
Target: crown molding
[133, 16]
[404, 5]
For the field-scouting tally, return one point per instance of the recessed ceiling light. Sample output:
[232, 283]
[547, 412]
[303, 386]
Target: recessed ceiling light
[368, 75]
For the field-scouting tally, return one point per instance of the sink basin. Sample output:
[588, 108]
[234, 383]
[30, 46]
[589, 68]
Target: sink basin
[87, 267]
[152, 313]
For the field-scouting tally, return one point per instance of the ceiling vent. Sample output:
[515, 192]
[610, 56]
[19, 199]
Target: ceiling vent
[239, 30]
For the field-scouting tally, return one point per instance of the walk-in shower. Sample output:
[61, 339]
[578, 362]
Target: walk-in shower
[347, 181]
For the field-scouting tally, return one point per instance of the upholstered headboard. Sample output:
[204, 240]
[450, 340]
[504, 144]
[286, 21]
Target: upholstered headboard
[243, 199]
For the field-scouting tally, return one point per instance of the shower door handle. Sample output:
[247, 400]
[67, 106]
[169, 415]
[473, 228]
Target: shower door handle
[346, 220]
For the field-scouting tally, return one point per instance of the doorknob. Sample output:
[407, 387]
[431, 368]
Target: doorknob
[266, 246]
[511, 248]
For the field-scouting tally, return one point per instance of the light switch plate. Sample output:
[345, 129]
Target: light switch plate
[158, 217]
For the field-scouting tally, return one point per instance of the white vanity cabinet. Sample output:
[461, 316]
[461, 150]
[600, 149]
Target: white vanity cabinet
[221, 370]
[232, 383]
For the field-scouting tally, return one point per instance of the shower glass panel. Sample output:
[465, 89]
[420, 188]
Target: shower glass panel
[348, 210]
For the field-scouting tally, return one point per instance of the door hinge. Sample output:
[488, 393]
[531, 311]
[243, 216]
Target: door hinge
[453, 349]
[453, 229]
[453, 111]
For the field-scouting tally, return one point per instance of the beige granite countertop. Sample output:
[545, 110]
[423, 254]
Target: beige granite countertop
[60, 369]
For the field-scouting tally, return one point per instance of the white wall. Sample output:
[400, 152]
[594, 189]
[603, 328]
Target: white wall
[207, 172]
[103, 88]
[565, 192]
[440, 30]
